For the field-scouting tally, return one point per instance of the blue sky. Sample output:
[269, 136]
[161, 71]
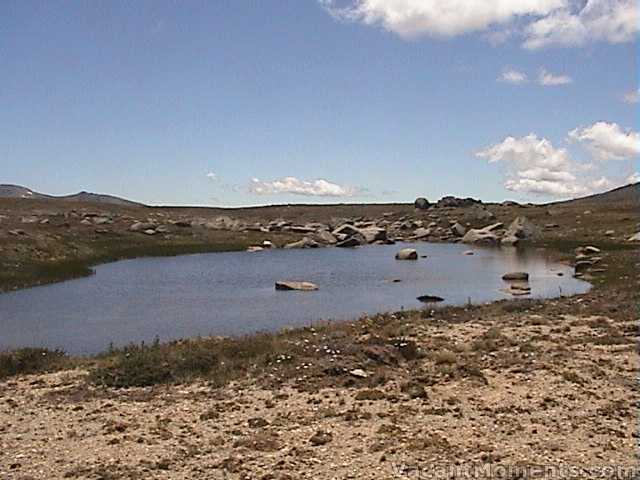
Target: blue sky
[144, 99]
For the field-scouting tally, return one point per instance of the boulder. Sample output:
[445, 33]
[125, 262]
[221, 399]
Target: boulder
[582, 266]
[421, 203]
[140, 227]
[521, 229]
[302, 229]
[450, 201]
[325, 237]
[306, 242]
[350, 242]
[373, 234]
[516, 276]
[298, 286]
[430, 299]
[407, 254]
[634, 238]
[484, 235]
[254, 248]
[421, 233]
[458, 230]
[345, 229]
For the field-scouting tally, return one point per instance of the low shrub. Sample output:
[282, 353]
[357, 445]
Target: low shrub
[31, 360]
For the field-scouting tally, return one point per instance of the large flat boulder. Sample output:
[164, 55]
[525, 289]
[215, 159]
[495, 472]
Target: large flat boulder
[484, 236]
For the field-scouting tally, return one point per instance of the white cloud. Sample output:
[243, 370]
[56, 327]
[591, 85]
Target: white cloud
[613, 21]
[498, 37]
[548, 79]
[534, 166]
[212, 176]
[293, 185]
[541, 22]
[632, 97]
[515, 77]
[415, 18]
[608, 141]
[633, 178]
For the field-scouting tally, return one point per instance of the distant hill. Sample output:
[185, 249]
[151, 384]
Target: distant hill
[629, 194]
[17, 191]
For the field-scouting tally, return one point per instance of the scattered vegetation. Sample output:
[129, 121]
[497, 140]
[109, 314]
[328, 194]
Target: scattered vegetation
[31, 360]
[214, 359]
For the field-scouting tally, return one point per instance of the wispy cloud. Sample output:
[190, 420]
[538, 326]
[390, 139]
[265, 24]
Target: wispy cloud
[212, 176]
[515, 77]
[632, 97]
[548, 79]
[296, 186]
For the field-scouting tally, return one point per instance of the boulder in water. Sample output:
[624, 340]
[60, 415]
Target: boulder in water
[407, 254]
[295, 285]
[516, 276]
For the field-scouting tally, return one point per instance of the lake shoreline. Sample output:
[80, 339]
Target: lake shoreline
[512, 383]
[428, 382]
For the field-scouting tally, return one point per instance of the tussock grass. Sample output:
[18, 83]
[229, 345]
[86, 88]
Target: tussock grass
[31, 360]
[217, 360]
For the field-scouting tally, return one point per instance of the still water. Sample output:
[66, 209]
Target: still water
[233, 293]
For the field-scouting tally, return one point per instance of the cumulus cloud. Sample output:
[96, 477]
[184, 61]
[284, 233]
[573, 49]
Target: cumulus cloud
[515, 77]
[632, 97]
[613, 21]
[415, 18]
[634, 177]
[541, 22]
[295, 186]
[535, 166]
[548, 79]
[212, 176]
[608, 141]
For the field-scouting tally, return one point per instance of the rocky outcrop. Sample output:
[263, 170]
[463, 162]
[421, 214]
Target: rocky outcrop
[325, 237]
[487, 235]
[450, 201]
[520, 230]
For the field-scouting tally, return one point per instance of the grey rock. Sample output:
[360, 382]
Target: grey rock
[295, 285]
[516, 276]
[306, 242]
[421, 203]
[421, 233]
[458, 230]
[407, 254]
[521, 229]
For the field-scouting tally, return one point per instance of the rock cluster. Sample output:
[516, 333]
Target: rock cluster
[520, 230]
